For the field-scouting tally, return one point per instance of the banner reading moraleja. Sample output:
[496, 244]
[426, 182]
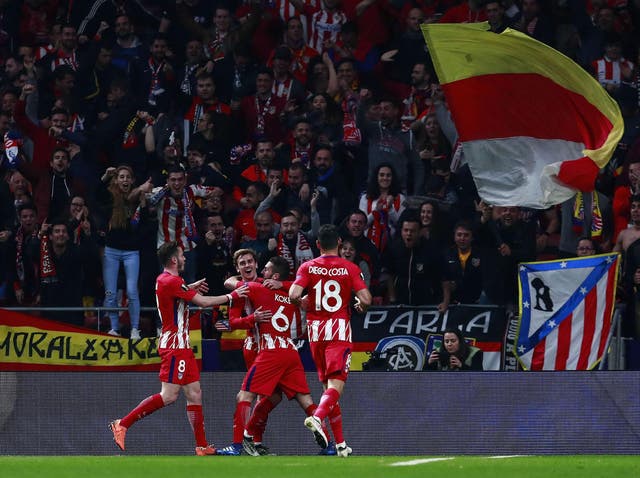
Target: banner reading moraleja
[405, 336]
[30, 343]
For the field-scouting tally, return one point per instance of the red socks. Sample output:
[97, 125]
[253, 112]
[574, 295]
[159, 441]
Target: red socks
[146, 407]
[327, 402]
[258, 421]
[196, 419]
[240, 420]
[335, 420]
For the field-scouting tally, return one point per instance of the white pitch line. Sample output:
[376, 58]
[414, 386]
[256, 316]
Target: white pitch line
[420, 461]
[499, 457]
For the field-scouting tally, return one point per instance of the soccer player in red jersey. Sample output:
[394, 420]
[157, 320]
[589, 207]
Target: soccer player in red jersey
[246, 262]
[277, 369]
[178, 369]
[329, 281]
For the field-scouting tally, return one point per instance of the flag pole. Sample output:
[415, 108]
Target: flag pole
[614, 326]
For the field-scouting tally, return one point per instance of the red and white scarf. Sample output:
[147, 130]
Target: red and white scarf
[301, 254]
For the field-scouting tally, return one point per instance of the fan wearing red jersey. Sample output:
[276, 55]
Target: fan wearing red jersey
[178, 369]
[330, 281]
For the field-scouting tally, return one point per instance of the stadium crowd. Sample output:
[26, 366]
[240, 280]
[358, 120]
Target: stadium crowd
[248, 124]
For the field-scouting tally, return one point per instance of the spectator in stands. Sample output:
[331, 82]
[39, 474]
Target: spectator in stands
[586, 214]
[174, 204]
[206, 101]
[53, 190]
[349, 252]
[354, 229]
[204, 172]
[45, 139]
[300, 147]
[418, 104]
[498, 21]
[629, 185]
[416, 274]
[256, 169]
[325, 118]
[62, 270]
[406, 49]
[301, 52]
[122, 246]
[276, 200]
[20, 189]
[387, 142]
[586, 247]
[195, 63]
[507, 241]
[322, 76]
[128, 48]
[432, 170]
[244, 225]
[220, 39]
[632, 233]
[384, 203]
[285, 85]
[261, 114]
[326, 24]
[612, 69]
[24, 257]
[327, 179]
[214, 256]
[292, 243]
[153, 79]
[265, 242]
[432, 226]
[297, 192]
[534, 22]
[465, 267]
[455, 354]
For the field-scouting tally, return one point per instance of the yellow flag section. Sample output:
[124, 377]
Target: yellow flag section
[30, 343]
[519, 107]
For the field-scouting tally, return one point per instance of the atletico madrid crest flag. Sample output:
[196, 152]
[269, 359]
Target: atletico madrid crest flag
[534, 126]
[566, 308]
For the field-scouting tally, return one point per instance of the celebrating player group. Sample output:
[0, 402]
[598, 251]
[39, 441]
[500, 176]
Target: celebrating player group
[270, 308]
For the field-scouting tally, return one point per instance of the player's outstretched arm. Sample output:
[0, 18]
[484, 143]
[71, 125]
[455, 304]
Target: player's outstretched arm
[210, 301]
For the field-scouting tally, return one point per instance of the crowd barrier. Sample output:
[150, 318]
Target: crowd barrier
[397, 338]
[439, 413]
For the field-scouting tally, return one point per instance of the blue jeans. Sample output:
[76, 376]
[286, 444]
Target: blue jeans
[110, 268]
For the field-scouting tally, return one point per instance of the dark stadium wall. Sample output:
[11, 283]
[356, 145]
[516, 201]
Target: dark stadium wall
[384, 414]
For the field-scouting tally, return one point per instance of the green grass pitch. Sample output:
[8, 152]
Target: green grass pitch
[584, 466]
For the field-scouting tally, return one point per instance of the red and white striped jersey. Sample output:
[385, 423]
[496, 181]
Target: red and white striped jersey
[286, 320]
[609, 72]
[172, 299]
[173, 221]
[329, 282]
[286, 10]
[329, 330]
[326, 26]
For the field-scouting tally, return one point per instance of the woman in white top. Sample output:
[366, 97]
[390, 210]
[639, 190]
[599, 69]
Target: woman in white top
[383, 203]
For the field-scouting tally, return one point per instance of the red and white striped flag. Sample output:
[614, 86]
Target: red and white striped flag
[566, 308]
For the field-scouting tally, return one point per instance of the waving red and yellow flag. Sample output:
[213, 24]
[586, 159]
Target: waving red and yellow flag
[535, 127]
